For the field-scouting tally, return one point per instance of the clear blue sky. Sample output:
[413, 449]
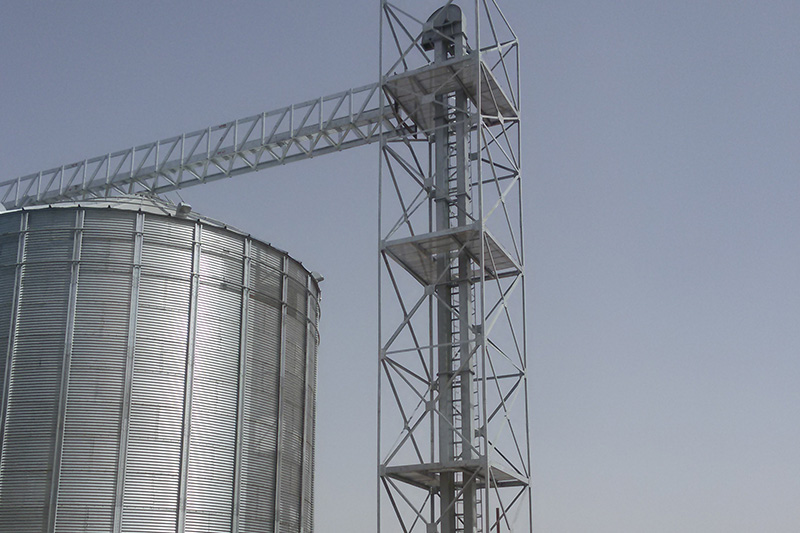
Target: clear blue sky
[662, 167]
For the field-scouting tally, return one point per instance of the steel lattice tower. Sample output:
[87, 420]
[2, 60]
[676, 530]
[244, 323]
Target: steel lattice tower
[454, 450]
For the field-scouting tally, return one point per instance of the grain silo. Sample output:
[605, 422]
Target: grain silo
[158, 373]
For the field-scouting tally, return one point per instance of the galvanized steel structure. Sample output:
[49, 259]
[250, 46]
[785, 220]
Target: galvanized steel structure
[454, 447]
[158, 373]
[453, 443]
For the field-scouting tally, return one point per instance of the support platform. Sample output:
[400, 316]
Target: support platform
[419, 254]
[426, 476]
[415, 90]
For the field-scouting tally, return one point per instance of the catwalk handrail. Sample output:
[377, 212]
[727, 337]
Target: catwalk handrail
[300, 131]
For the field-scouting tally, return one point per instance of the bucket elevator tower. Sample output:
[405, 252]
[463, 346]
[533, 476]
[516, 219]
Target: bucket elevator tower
[453, 445]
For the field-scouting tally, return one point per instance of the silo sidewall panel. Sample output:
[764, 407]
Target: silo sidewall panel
[158, 375]
[9, 250]
[93, 416]
[293, 407]
[215, 383]
[159, 378]
[29, 437]
[263, 349]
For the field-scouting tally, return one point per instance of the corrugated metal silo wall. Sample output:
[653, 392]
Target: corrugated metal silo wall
[158, 376]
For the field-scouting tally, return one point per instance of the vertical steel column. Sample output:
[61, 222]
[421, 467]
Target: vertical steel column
[122, 460]
[453, 296]
[482, 353]
[465, 299]
[378, 337]
[444, 300]
[65, 368]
